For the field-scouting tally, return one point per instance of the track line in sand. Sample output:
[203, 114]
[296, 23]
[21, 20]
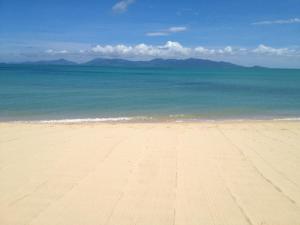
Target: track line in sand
[145, 174]
[277, 188]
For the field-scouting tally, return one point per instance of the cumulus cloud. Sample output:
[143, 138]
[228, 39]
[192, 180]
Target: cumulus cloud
[167, 31]
[122, 6]
[205, 51]
[270, 22]
[170, 49]
[228, 49]
[263, 49]
[173, 49]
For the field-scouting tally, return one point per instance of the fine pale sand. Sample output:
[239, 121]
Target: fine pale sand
[209, 173]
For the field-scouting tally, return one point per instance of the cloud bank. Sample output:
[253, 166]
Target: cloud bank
[270, 22]
[122, 6]
[173, 49]
[263, 49]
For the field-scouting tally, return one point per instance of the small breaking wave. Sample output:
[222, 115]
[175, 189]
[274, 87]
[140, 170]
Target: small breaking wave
[88, 120]
[177, 118]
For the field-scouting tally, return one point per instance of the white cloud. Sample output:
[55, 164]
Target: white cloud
[270, 22]
[54, 52]
[170, 49]
[204, 51]
[263, 49]
[122, 6]
[167, 31]
[228, 49]
[173, 49]
[155, 34]
[177, 29]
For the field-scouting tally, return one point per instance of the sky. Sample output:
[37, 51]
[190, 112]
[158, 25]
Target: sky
[256, 32]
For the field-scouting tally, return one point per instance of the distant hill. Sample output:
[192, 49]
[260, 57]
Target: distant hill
[162, 63]
[112, 62]
[177, 63]
[52, 62]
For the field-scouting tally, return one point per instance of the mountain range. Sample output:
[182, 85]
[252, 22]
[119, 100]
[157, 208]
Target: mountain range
[165, 63]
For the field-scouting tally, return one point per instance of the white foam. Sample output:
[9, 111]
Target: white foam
[87, 120]
[194, 120]
[151, 119]
[288, 119]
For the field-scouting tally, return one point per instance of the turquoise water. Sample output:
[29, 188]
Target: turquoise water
[32, 92]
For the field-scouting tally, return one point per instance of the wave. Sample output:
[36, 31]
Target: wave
[88, 120]
[178, 118]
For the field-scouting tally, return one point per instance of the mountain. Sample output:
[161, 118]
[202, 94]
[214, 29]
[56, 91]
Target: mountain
[112, 62]
[52, 62]
[162, 63]
[192, 63]
[169, 63]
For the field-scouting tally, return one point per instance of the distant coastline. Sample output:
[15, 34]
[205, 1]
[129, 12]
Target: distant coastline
[158, 62]
[193, 63]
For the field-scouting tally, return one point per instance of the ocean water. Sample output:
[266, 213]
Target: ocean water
[87, 93]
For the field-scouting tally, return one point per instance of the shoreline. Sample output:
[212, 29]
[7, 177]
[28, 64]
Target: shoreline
[144, 120]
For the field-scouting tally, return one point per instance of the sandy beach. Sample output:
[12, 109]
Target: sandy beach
[208, 173]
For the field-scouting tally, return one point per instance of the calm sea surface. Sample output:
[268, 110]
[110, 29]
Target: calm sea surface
[32, 92]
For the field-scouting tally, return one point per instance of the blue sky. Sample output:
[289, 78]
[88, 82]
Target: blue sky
[246, 32]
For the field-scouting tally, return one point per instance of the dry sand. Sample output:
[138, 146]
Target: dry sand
[231, 173]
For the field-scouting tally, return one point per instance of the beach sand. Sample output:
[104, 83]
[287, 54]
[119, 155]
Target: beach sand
[208, 173]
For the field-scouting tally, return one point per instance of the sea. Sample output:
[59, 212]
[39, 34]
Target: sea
[76, 93]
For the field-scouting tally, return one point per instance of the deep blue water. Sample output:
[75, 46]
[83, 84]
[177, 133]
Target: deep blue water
[32, 92]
